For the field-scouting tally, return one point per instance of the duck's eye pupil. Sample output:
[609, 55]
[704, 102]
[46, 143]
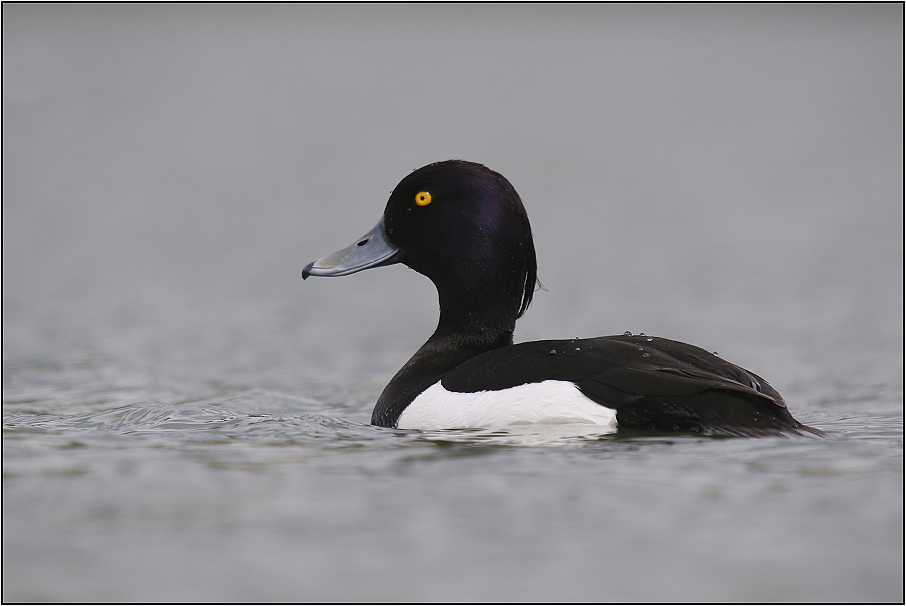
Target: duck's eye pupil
[423, 198]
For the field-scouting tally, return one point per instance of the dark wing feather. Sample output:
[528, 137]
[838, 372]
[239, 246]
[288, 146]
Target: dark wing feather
[653, 384]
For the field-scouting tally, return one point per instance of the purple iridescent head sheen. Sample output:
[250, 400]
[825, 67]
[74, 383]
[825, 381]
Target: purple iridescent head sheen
[473, 205]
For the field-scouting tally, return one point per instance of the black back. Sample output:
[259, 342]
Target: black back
[653, 383]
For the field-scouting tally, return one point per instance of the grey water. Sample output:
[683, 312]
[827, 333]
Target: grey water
[185, 419]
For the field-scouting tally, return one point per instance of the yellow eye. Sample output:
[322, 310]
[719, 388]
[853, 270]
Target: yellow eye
[423, 198]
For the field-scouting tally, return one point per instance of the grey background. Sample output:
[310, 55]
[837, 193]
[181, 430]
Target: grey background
[730, 176]
[685, 168]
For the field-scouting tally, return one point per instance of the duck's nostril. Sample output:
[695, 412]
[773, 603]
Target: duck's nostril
[362, 242]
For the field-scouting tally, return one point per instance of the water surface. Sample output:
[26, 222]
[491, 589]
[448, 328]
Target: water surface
[184, 419]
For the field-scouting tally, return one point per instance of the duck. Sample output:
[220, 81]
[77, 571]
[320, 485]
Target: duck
[464, 227]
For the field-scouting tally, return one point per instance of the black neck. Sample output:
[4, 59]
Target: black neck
[445, 350]
[479, 305]
[484, 300]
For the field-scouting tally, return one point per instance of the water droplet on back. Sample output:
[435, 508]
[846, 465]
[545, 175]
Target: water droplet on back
[628, 333]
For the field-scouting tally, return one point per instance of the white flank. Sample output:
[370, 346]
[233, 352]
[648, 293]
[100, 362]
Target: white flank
[547, 402]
